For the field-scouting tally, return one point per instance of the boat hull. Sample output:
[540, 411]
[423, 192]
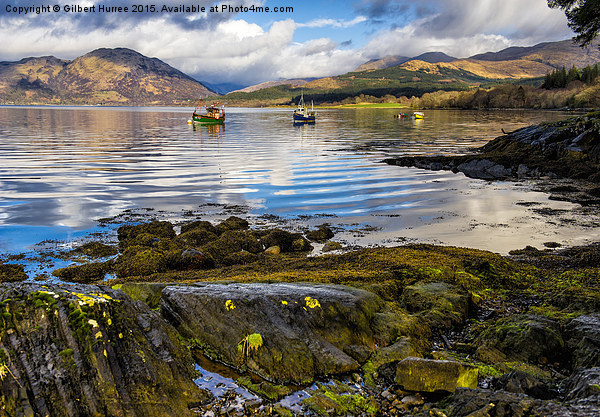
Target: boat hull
[301, 118]
[198, 118]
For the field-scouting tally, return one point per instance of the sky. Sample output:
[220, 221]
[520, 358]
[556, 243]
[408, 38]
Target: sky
[311, 38]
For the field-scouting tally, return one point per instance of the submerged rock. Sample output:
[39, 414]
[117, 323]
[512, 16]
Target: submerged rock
[90, 350]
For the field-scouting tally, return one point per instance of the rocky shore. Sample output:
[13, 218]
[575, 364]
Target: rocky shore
[567, 150]
[414, 330]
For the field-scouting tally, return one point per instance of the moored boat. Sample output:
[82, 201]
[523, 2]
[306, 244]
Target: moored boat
[209, 114]
[418, 115]
[302, 114]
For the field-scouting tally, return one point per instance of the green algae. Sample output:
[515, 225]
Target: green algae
[265, 389]
[335, 399]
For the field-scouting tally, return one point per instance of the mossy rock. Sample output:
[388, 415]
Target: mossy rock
[231, 242]
[339, 400]
[240, 258]
[198, 225]
[331, 246]
[322, 234]
[140, 261]
[159, 229]
[12, 273]
[441, 304]
[197, 237]
[96, 250]
[232, 223]
[526, 338]
[148, 293]
[287, 241]
[84, 274]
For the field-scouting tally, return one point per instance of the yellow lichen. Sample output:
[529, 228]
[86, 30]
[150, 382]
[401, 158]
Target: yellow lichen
[312, 302]
[284, 302]
[229, 305]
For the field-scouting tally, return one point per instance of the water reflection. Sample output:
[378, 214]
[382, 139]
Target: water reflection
[67, 166]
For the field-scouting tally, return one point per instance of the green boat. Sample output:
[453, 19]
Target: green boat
[213, 114]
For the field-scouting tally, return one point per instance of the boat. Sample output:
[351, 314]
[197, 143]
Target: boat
[401, 116]
[209, 114]
[302, 114]
[418, 115]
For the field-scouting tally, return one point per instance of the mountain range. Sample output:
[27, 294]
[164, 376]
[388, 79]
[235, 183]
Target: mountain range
[432, 71]
[122, 76]
[118, 76]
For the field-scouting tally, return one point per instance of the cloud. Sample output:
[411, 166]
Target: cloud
[319, 23]
[463, 27]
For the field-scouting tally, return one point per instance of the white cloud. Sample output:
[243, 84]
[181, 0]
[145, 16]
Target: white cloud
[319, 23]
[464, 27]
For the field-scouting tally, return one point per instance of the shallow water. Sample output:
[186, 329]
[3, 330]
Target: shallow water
[62, 168]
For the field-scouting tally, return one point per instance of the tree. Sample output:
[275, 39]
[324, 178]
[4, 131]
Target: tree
[583, 17]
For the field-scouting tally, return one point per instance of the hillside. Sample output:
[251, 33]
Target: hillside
[432, 71]
[117, 76]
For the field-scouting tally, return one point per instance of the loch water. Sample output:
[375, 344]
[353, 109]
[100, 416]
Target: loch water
[63, 168]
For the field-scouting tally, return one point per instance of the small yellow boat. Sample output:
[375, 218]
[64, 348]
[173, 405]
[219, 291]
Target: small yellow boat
[418, 115]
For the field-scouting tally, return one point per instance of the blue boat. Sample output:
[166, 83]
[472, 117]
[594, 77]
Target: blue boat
[302, 114]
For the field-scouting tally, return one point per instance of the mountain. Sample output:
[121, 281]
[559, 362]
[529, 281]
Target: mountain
[393, 60]
[434, 57]
[553, 54]
[118, 76]
[381, 63]
[223, 88]
[292, 83]
[433, 71]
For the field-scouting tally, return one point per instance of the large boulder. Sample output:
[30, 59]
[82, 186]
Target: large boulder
[284, 332]
[90, 350]
[428, 375]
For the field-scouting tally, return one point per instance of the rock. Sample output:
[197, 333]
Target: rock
[84, 274]
[524, 383]
[198, 225]
[197, 237]
[582, 384]
[583, 342]
[232, 223]
[402, 349]
[90, 350]
[304, 328]
[428, 375]
[441, 304]
[12, 273]
[483, 402]
[322, 234]
[160, 229]
[273, 250]
[484, 169]
[96, 250]
[287, 241]
[526, 338]
[331, 246]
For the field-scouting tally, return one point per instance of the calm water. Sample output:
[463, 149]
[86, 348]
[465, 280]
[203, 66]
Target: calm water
[63, 168]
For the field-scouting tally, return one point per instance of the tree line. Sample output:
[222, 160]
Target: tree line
[561, 78]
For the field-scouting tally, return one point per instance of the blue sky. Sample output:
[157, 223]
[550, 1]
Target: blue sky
[317, 39]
